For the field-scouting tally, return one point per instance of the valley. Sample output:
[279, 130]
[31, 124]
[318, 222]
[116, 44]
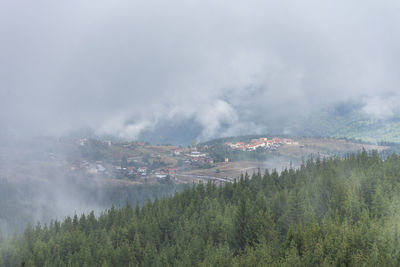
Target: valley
[130, 163]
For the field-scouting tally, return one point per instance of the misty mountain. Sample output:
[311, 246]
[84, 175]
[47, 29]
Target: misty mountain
[349, 120]
[342, 120]
[173, 132]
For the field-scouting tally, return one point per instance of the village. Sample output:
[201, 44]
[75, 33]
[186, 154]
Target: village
[144, 163]
[263, 142]
[141, 162]
[138, 161]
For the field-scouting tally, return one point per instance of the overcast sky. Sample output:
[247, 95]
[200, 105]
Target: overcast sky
[230, 66]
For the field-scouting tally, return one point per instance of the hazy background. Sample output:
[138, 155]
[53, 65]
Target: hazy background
[195, 69]
[178, 71]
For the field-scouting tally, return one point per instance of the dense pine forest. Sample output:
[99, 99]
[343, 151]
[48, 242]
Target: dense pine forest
[32, 201]
[329, 212]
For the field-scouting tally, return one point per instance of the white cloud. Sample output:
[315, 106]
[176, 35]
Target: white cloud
[231, 66]
[380, 108]
[121, 127]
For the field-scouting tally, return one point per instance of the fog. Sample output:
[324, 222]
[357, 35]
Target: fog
[127, 67]
[190, 69]
[40, 181]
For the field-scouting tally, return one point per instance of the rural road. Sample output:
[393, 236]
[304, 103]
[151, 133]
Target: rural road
[206, 177]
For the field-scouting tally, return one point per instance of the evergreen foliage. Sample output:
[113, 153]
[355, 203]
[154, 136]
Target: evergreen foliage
[23, 203]
[329, 212]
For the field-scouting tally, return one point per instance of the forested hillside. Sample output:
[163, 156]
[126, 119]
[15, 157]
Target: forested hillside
[30, 202]
[350, 121]
[329, 212]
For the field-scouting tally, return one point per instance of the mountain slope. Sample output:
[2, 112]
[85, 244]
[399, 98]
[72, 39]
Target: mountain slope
[349, 121]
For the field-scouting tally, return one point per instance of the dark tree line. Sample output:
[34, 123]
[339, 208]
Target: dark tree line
[329, 212]
[23, 203]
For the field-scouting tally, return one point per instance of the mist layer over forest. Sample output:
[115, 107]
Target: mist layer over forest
[329, 212]
[37, 185]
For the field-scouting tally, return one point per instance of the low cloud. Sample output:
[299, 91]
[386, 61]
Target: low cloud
[381, 108]
[124, 67]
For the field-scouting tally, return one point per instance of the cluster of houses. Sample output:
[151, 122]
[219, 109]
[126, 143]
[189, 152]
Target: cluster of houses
[98, 168]
[198, 159]
[145, 172]
[135, 167]
[194, 158]
[163, 173]
[133, 171]
[262, 142]
[90, 167]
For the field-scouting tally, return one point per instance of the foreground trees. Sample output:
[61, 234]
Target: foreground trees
[328, 212]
